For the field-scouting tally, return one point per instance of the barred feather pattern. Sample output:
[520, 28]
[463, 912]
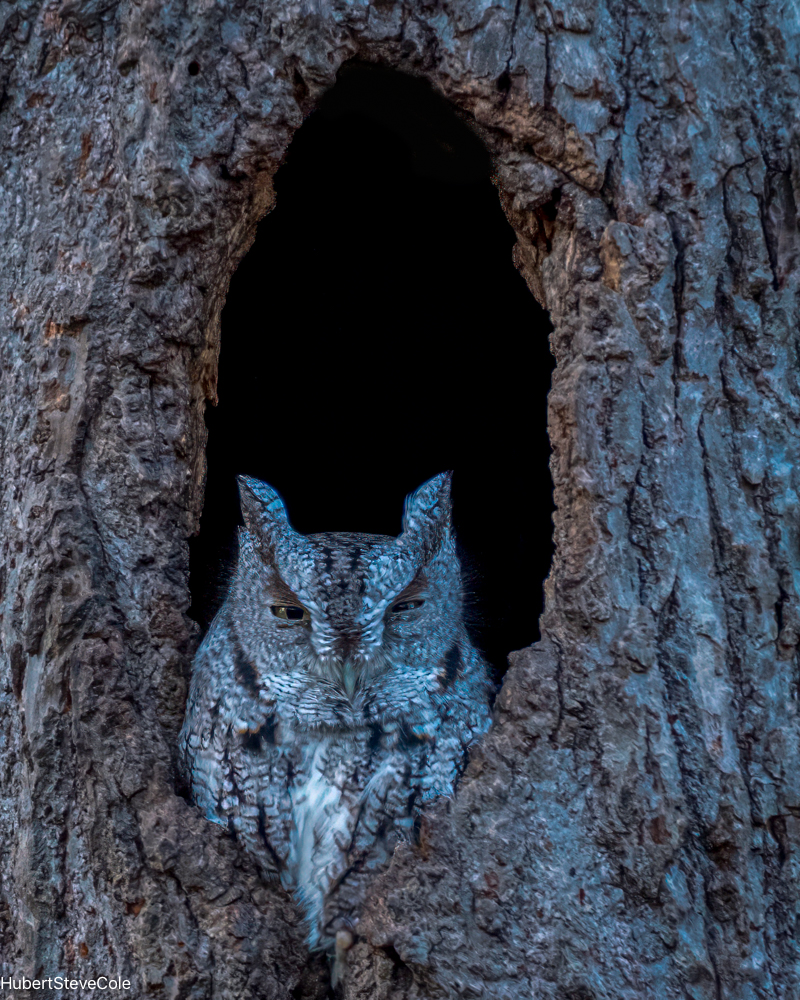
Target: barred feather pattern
[318, 740]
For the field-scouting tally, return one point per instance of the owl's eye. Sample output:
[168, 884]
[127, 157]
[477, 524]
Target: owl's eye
[402, 606]
[290, 613]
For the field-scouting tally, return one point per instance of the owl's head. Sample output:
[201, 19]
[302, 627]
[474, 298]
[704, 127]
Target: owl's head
[344, 605]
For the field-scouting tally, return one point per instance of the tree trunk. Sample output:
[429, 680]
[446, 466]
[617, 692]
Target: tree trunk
[629, 828]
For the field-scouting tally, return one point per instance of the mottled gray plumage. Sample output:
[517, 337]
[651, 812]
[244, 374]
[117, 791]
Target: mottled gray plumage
[335, 693]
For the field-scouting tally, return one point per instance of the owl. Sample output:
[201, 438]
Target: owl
[336, 692]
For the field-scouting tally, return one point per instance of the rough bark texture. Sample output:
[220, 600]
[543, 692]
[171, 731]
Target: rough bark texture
[630, 827]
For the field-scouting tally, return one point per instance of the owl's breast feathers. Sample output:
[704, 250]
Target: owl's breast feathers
[320, 786]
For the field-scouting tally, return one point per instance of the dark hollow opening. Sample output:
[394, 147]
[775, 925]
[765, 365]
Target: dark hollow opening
[378, 333]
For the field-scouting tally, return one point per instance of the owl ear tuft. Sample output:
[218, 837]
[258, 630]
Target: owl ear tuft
[427, 514]
[262, 508]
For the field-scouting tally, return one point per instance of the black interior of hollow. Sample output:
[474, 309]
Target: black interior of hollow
[378, 333]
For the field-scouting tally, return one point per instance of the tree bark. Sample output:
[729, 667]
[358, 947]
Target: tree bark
[630, 826]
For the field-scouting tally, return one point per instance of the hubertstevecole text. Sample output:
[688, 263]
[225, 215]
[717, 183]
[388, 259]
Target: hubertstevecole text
[65, 983]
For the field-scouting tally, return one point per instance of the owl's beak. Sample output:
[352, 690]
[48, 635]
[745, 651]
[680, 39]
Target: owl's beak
[347, 647]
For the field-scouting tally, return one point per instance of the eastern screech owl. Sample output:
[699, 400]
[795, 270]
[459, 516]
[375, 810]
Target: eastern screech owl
[336, 691]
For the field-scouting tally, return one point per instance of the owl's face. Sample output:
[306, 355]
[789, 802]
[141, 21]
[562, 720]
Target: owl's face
[342, 606]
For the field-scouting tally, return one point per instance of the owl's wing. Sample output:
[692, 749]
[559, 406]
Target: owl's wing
[229, 745]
